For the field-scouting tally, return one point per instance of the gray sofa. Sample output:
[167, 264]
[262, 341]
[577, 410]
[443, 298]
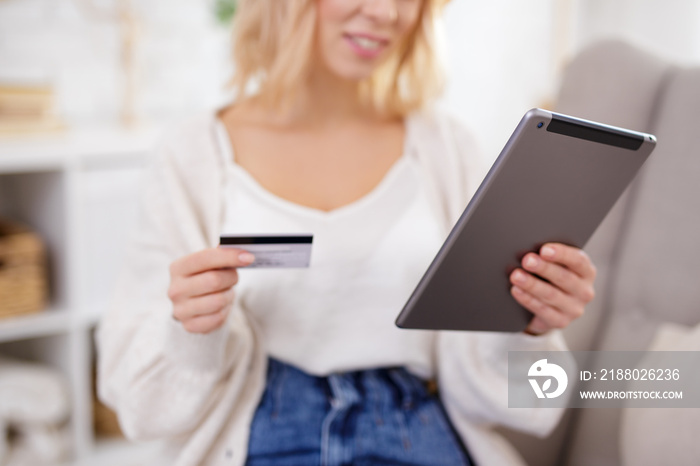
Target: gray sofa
[648, 248]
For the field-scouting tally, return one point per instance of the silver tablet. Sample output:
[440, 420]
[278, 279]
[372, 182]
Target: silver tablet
[555, 180]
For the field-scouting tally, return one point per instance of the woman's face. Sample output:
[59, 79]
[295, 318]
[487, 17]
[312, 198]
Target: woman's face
[355, 36]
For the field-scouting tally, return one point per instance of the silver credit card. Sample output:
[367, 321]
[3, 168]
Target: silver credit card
[273, 250]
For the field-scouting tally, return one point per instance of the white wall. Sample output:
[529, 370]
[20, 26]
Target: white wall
[666, 27]
[501, 64]
[506, 55]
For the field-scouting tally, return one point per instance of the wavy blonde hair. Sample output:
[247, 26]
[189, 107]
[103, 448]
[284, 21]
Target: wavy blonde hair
[272, 52]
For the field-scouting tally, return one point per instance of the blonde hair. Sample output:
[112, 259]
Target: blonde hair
[272, 50]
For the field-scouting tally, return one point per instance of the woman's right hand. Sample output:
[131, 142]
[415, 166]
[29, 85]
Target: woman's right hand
[201, 287]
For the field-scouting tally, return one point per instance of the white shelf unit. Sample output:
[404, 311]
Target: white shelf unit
[79, 191]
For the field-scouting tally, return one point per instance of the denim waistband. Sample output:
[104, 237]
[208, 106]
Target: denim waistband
[350, 387]
[371, 416]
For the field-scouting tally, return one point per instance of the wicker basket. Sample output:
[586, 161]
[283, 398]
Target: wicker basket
[104, 421]
[23, 282]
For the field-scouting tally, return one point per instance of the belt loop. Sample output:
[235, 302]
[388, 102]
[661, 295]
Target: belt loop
[408, 387]
[343, 390]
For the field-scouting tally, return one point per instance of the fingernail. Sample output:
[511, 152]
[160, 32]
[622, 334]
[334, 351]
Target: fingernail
[548, 251]
[535, 330]
[531, 262]
[517, 291]
[246, 257]
[519, 277]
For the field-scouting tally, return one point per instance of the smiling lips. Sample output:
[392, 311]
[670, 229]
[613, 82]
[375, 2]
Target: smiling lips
[366, 46]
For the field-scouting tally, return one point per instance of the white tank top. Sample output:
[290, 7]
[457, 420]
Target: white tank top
[367, 257]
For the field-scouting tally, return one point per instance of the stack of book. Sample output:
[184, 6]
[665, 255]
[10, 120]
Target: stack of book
[27, 109]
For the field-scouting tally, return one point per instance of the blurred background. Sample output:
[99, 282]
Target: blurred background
[86, 86]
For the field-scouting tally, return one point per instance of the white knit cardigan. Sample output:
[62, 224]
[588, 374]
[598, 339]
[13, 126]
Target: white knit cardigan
[200, 391]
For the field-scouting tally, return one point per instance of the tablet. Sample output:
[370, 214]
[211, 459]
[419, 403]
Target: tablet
[555, 181]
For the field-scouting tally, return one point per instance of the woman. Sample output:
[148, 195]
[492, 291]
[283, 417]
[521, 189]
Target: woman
[331, 135]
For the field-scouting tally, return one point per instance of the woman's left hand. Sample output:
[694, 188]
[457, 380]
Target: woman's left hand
[556, 304]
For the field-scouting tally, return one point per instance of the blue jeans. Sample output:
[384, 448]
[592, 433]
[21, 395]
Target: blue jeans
[370, 417]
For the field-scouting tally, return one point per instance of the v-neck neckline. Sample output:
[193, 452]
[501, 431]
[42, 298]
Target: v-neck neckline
[366, 199]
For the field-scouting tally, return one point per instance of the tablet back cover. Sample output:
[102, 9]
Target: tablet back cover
[555, 181]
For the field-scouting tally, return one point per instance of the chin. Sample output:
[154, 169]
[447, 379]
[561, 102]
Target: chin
[354, 71]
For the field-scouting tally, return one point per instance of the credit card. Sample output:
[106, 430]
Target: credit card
[290, 250]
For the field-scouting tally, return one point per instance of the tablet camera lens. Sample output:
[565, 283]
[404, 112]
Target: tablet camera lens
[540, 124]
